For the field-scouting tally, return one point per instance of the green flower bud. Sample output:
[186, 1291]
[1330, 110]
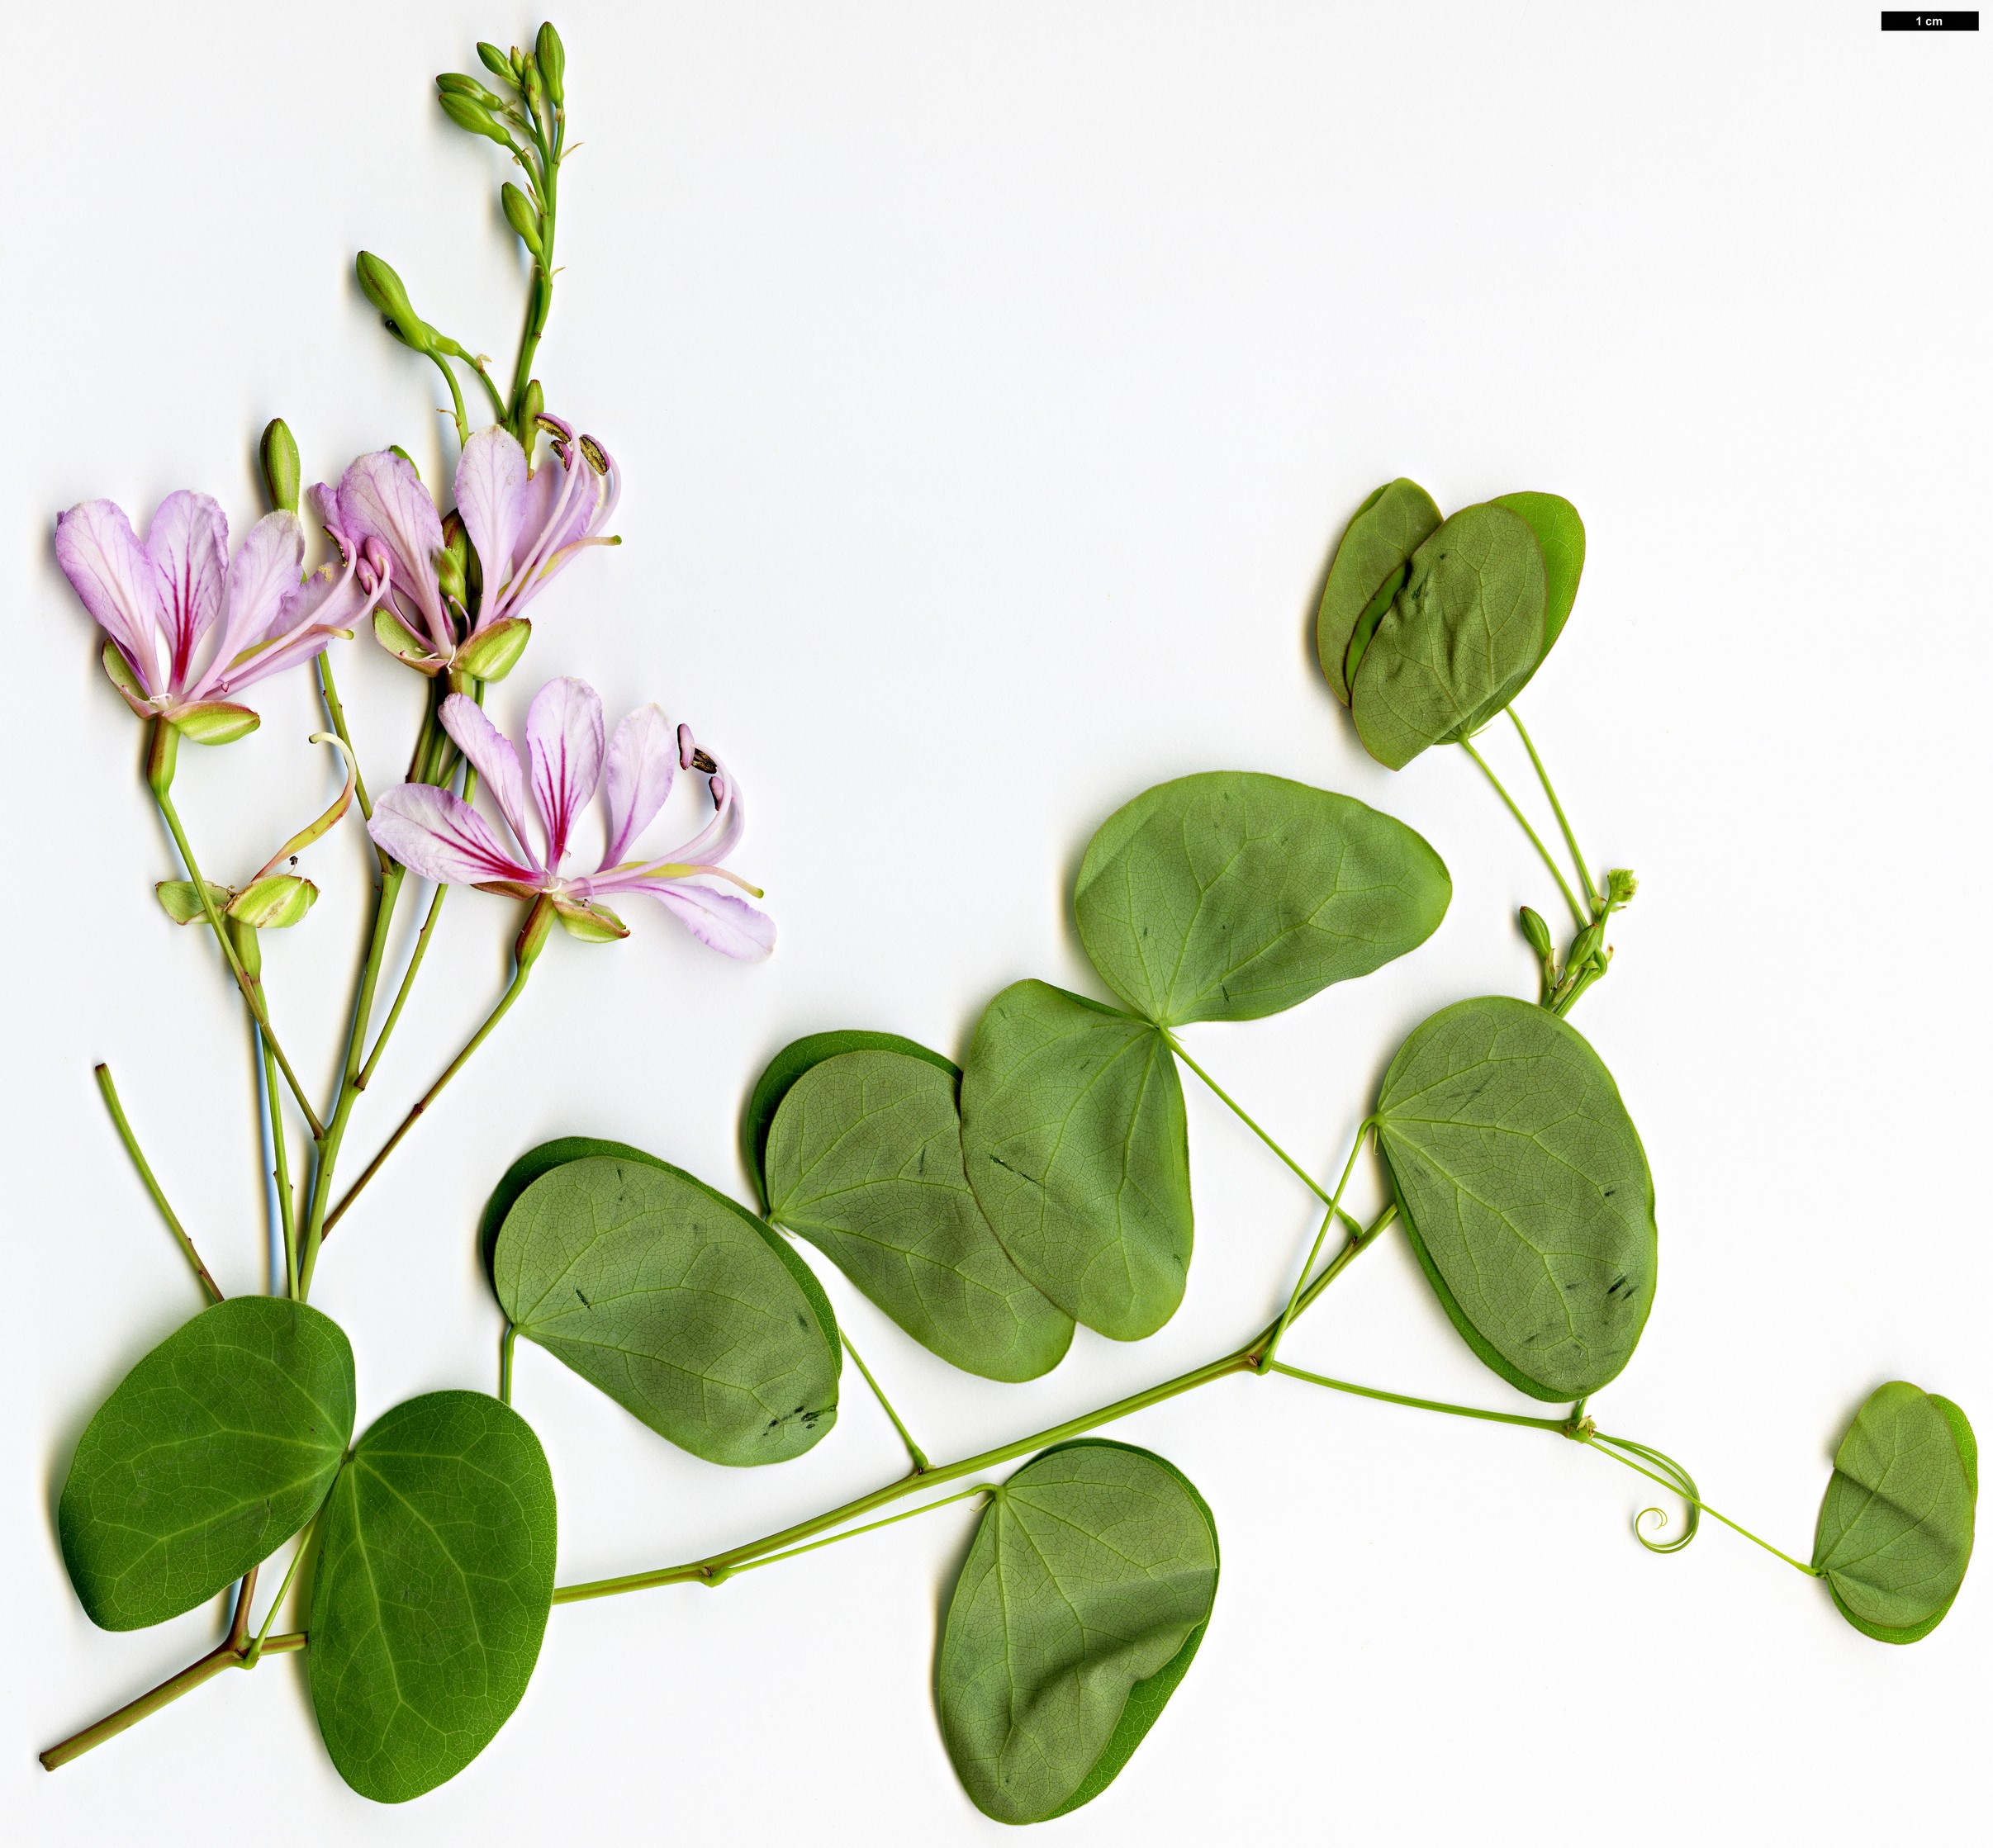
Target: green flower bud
[449, 577]
[467, 114]
[526, 426]
[521, 217]
[383, 288]
[552, 58]
[458, 543]
[589, 923]
[1537, 931]
[451, 84]
[275, 903]
[496, 62]
[1620, 885]
[530, 81]
[283, 474]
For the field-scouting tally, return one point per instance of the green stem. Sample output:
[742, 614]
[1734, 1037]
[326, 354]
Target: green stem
[1543, 776]
[491, 390]
[253, 1653]
[327, 1154]
[280, 1178]
[852, 1533]
[507, 1342]
[1597, 1441]
[1293, 1301]
[1563, 885]
[717, 1565]
[337, 715]
[152, 1185]
[523, 968]
[449, 378]
[1224, 1097]
[249, 995]
[539, 297]
[1558, 1424]
[227, 1656]
[906, 1436]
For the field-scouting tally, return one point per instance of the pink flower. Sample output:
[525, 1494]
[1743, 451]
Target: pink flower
[189, 627]
[525, 525]
[439, 837]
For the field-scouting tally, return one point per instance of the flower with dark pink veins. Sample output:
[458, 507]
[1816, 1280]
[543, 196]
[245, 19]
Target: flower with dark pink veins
[524, 524]
[188, 628]
[439, 837]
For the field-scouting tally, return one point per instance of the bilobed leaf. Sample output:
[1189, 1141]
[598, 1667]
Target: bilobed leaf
[792, 1062]
[216, 1448]
[865, 1160]
[682, 1305]
[434, 1577]
[1370, 562]
[1895, 1529]
[1459, 639]
[1085, 1595]
[1525, 1192]
[1561, 535]
[1074, 1143]
[1229, 896]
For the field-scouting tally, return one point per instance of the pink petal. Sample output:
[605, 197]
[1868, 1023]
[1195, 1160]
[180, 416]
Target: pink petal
[493, 758]
[637, 777]
[382, 497]
[718, 920]
[266, 570]
[107, 568]
[187, 545]
[491, 497]
[440, 837]
[564, 739]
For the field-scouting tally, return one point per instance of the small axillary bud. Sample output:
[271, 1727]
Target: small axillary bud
[283, 474]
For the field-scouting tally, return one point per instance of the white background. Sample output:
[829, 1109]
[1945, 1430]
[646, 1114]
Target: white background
[992, 382]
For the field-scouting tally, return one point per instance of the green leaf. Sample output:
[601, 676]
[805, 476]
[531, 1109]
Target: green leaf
[1085, 1595]
[791, 1062]
[1561, 535]
[1457, 642]
[1229, 896]
[1370, 562]
[682, 1305]
[1075, 1143]
[1525, 1192]
[1895, 1529]
[865, 1160]
[216, 1448]
[434, 1577]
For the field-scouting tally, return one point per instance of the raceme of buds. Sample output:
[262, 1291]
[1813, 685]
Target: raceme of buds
[552, 57]
[1429, 628]
[282, 476]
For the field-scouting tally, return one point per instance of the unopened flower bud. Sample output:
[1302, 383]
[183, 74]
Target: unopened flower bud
[552, 58]
[521, 217]
[1537, 931]
[383, 288]
[457, 542]
[282, 476]
[495, 61]
[531, 408]
[468, 114]
[451, 84]
[449, 577]
[529, 82]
